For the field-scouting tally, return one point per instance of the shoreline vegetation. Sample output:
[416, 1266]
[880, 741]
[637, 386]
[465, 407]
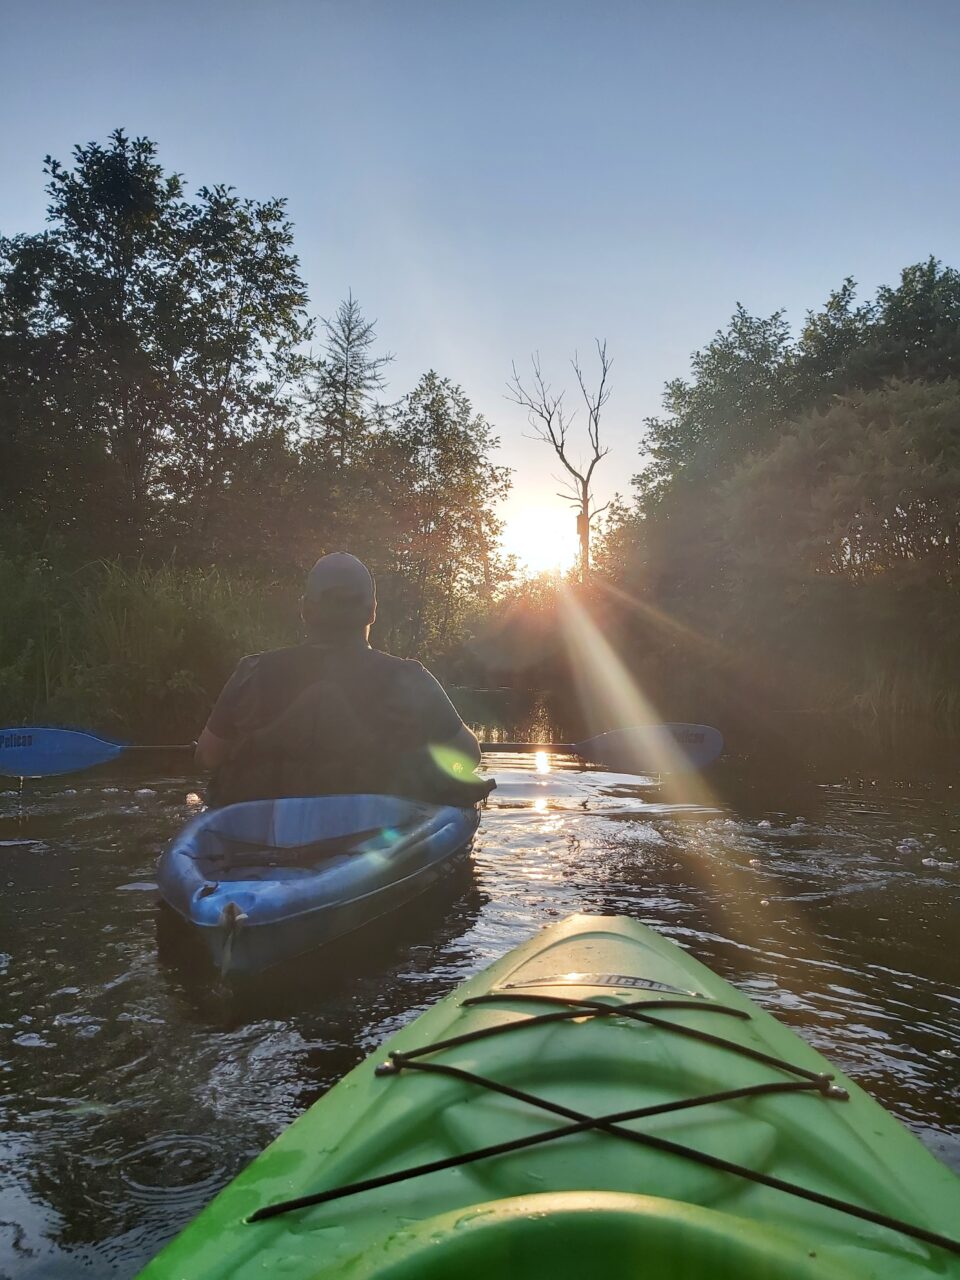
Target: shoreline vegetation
[180, 439]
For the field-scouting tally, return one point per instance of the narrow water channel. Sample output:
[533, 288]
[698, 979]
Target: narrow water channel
[133, 1084]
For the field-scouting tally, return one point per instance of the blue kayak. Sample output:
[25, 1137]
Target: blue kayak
[270, 879]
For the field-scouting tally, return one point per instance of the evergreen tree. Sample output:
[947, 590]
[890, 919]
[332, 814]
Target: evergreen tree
[343, 380]
[445, 542]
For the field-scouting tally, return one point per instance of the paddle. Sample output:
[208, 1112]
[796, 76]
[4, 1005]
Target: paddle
[654, 748]
[43, 752]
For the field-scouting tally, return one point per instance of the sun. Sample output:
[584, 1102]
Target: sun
[543, 538]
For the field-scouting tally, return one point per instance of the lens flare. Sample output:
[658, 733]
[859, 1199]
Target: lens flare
[541, 762]
[610, 698]
[664, 621]
[451, 761]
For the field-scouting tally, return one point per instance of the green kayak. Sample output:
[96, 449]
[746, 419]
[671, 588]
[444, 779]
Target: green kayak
[595, 1103]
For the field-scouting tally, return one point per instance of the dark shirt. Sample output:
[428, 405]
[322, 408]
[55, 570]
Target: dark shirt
[417, 698]
[315, 719]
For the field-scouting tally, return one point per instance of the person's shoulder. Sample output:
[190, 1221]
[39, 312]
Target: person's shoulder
[247, 665]
[401, 666]
[274, 657]
[257, 666]
[418, 682]
[287, 648]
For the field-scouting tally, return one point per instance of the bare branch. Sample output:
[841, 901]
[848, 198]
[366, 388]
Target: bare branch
[545, 412]
[595, 404]
[551, 422]
[574, 491]
[596, 458]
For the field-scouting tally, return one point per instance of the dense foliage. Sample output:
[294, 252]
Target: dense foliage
[145, 338]
[793, 543]
[164, 422]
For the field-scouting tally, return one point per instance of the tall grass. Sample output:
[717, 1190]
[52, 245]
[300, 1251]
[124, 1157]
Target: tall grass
[143, 651]
[140, 651]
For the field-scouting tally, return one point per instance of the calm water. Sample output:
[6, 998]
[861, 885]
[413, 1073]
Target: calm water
[132, 1085]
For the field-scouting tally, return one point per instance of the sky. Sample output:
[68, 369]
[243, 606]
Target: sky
[497, 177]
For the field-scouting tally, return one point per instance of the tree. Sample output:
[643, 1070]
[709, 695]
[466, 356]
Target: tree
[739, 389]
[869, 487]
[551, 424]
[343, 379]
[237, 347]
[444, 528]
[753, 377]
[914, 330]
[795, 538]
[830, 338]
[144, 337]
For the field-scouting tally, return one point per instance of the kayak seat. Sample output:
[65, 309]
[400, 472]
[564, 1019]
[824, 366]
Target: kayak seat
[231, 853]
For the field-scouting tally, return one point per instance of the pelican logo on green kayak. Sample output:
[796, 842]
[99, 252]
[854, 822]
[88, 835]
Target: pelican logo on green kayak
[614, 980]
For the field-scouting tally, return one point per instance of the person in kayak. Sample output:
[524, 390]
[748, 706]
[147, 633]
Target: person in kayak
[333, 715]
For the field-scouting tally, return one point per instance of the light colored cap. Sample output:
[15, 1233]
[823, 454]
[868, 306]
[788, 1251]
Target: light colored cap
[340, 580]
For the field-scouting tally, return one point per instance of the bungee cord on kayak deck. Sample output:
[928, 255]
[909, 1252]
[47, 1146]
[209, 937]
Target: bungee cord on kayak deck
[606, 1123]
[633, 1009]
[809, 1082]
[541, 1019]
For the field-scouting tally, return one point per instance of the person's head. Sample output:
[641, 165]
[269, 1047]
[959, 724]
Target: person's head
[339, 598]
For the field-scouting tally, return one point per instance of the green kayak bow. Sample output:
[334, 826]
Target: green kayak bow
[595, 1103]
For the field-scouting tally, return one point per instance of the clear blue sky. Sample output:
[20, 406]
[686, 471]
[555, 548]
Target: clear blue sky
[493, 177]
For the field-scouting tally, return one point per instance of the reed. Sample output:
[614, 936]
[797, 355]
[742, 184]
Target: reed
[132, 650]
[141, 651]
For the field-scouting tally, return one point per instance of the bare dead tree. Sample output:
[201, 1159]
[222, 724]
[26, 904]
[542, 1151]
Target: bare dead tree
[551, 423]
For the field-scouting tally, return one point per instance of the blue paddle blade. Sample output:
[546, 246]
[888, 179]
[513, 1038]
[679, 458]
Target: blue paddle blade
[655, 748]
[43, 753]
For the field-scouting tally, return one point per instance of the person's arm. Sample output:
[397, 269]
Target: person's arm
[230, 717]
[211, 751]
[441, 726]
[465, 743]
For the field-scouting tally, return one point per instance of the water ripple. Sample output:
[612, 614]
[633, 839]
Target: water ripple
[119, 1059]
[173, 1168]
